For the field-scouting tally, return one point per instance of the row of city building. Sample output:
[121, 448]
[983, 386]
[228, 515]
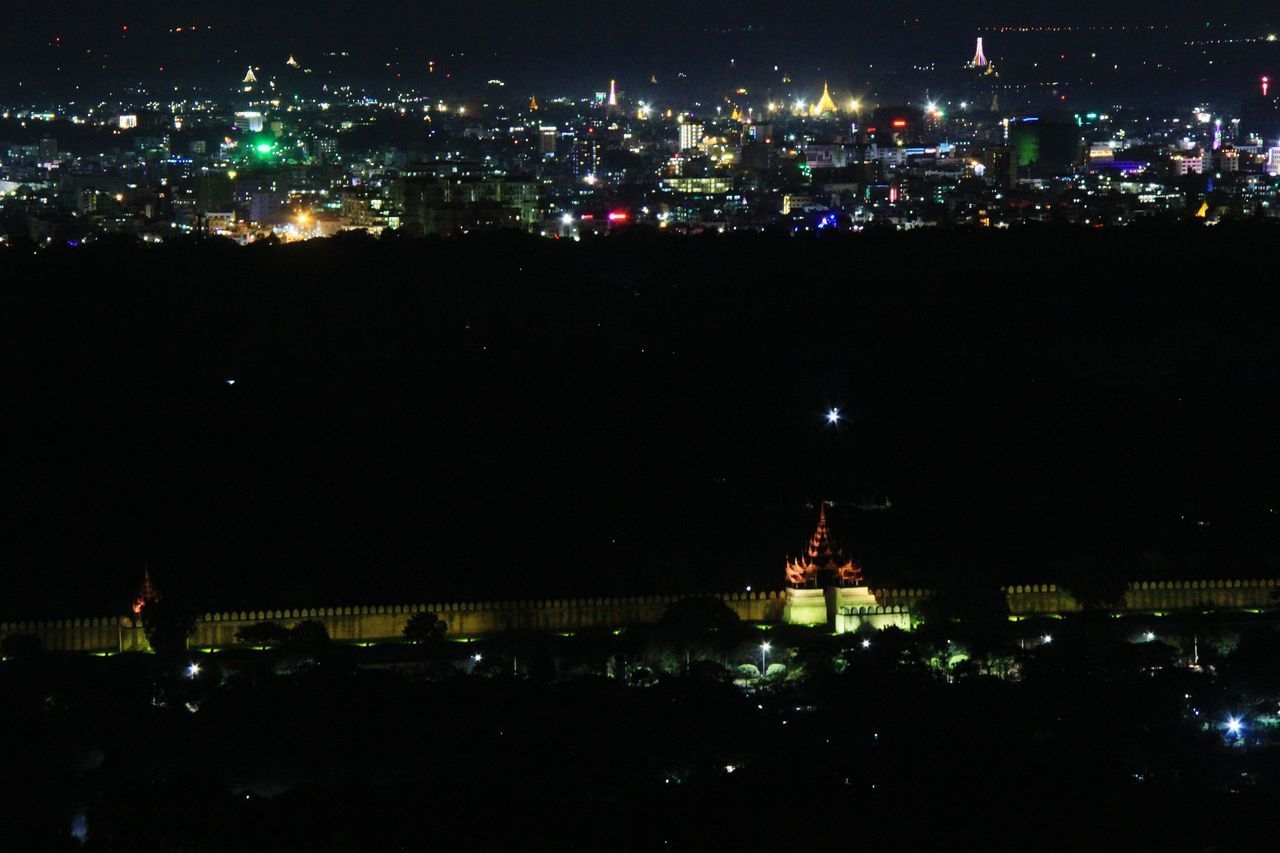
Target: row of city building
[249, 165]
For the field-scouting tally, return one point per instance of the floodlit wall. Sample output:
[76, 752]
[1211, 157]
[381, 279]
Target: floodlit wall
[464, 619]
[376, 623]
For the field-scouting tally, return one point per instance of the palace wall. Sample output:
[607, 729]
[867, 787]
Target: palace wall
[375, 623]
[469, 619]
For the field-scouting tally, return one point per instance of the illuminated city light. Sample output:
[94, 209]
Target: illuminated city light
[193, 670]
[833, 416]
[1047, 638]
[1234, 725]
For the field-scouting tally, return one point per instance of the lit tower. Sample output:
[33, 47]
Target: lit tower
[979, 58]
[1266, 85]
[825, 587]
[824, 106]
[613, 93]
[250, 79]
[823, 561]
[146, 593]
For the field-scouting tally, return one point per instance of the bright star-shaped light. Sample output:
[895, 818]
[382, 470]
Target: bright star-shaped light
[833, 416]
[1233, 725]
[193, 670]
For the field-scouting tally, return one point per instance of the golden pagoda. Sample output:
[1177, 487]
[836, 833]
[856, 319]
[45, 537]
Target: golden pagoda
[825, 104]
[533, 103]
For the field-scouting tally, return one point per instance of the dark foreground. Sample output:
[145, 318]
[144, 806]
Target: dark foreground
[974, 735]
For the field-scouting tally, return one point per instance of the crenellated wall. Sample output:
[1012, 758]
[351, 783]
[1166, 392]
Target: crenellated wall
[374, 623]
[469, 619]
[1139, 597]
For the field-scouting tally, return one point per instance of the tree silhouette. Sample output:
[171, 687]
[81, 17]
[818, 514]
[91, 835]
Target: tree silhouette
[167, 626]
[263, 634]
[424, 627]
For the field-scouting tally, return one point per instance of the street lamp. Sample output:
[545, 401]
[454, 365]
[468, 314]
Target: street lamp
[764, 651]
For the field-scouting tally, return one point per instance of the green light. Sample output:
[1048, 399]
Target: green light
[264, 148]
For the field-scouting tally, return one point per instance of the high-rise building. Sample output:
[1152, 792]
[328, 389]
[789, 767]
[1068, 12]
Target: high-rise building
[548, 135]
[691, 134]
[1000, 167]
[1046, 148]
[585, 162]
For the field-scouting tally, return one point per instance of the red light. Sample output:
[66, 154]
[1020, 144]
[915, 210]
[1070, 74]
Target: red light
[617, 216]
[899, 122]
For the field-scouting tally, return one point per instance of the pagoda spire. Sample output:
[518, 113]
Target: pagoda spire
[250, 78]
[823, 562]
[979, 58]
[146, 593]
[825, 104]
[533, 103]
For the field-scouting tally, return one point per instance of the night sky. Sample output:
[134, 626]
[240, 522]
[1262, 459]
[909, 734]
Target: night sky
[578, 44]
[479, 419]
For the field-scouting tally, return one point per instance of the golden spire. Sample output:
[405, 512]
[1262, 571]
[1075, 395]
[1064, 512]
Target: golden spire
[292, 63]
[533, 102]
[146, 593]
[822, 557]
[825, 104]
[249, 77]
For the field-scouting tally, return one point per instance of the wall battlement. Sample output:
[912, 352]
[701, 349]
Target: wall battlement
[373, 623]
